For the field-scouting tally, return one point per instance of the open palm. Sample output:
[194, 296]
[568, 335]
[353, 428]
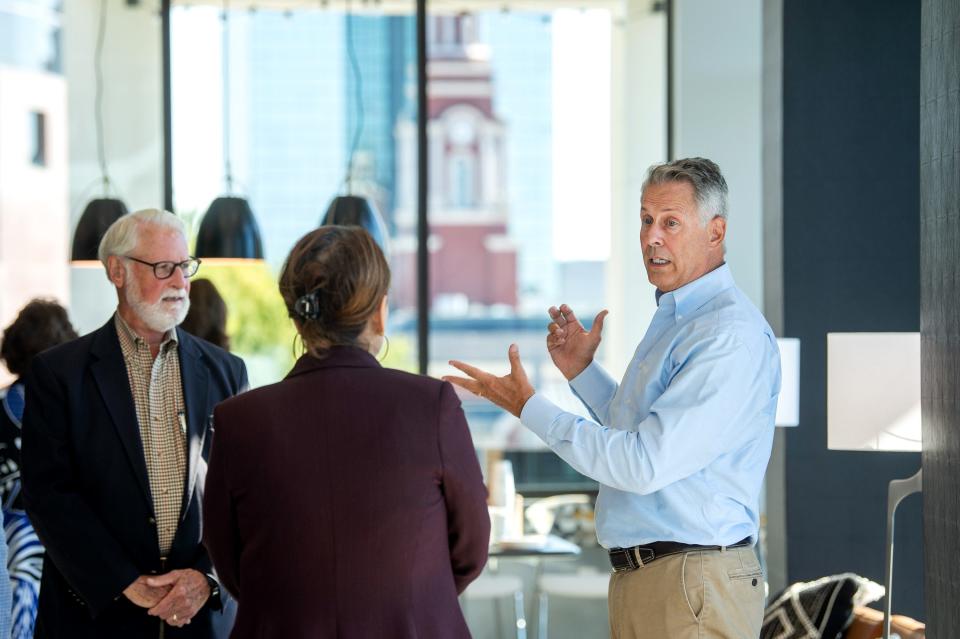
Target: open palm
[571, 346]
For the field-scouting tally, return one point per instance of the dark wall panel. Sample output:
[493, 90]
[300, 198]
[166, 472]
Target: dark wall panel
[940, 309]
[851, 82]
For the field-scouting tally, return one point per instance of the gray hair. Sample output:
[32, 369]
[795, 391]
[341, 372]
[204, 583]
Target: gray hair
[709, 187]
[123, 235]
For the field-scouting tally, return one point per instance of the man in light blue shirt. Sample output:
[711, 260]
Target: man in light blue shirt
[681, 445]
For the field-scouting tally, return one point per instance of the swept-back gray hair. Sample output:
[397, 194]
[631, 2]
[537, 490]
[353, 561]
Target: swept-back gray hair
[709, 187]
[123, 235]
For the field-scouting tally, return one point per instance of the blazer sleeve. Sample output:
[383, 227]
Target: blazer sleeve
[81, 546]
[468, 520]
[219, 515]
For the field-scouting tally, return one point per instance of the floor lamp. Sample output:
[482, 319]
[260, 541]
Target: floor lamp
[873, 403]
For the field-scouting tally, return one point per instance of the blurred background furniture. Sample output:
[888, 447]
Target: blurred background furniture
[493, 587]
[586, 584]
[569, 515]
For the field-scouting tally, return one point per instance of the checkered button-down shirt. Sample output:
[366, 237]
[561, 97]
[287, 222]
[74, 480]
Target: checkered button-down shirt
[158, 397]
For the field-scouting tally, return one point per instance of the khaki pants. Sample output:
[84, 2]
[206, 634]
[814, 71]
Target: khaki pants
[698, 595]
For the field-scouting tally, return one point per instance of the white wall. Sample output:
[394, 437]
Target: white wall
[33, 199]
[639, 139]
[132, 123]
[718, 77]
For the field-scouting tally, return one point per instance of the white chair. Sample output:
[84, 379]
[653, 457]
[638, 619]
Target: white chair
[586, 583]
[494, 587]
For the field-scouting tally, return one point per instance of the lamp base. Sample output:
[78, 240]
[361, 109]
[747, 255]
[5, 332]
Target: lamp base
[898, 490]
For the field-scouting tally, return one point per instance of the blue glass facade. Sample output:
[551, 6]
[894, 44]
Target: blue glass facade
[385, 48]
[296, 137]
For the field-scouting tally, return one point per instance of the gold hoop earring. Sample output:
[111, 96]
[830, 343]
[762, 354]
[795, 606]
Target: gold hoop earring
[386, 340]
[293, 347]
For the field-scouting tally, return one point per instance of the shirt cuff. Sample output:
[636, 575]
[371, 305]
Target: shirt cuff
[593, 385]
[538, 414]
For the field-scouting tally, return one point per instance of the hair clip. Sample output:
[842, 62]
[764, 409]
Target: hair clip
[308, 306]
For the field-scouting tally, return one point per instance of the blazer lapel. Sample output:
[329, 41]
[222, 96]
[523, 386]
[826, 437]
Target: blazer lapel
[110, 374]
[196, 382]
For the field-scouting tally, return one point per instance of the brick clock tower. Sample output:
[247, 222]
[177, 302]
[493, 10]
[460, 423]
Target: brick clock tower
[473, 262]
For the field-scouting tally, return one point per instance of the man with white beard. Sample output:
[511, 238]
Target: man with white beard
[116, 434]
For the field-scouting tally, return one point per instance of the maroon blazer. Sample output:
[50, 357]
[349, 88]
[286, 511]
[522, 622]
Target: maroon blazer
[346, 501]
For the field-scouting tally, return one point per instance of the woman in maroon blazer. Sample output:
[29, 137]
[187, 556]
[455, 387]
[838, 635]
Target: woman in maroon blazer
[346, 500]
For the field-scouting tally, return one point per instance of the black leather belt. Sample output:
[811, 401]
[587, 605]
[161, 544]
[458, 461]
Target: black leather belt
[623, 559]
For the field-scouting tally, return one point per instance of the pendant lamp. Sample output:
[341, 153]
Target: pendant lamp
[350, 209]
[229, 229]
[353, 210]
[101, 212]
[96, 219]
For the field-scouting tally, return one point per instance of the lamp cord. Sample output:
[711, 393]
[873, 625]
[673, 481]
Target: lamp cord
[227, 170]
[358, 88]
[98, 99]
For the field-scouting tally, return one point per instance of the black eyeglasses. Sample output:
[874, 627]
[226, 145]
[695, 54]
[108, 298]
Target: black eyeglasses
[164, 270]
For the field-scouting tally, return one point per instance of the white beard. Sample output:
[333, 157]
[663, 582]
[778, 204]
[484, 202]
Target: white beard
[156, 316]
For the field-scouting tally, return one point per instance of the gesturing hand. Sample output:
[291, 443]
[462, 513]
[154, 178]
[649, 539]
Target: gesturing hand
[189, 590]
[143, 595]
[572, 347]
[509, 392]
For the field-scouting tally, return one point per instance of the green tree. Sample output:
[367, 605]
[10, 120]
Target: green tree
[260, 330]
[257, 321]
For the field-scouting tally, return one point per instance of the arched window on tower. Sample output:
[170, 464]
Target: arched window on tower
[462, 181]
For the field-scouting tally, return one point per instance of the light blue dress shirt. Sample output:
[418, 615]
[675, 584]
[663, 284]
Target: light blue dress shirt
[680, 447]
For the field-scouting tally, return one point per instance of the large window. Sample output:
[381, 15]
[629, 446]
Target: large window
[519, 202]
[303, 105]
[319, 102]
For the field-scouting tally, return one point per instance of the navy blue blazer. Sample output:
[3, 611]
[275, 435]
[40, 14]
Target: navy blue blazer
[86, 490]
[346, 502]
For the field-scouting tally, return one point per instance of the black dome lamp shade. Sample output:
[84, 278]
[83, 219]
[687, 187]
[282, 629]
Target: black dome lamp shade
[96, 219]
[353, 210]
[229, 230]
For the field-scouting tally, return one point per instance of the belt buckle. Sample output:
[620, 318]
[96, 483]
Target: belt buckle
[623, 562]
[633, 558]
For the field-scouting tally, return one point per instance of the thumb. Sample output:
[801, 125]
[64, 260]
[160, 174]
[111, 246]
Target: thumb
[159, 581]
[597, 327]
[515, 366]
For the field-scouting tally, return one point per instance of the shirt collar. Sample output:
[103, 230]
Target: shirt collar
[170, 338]
[695, 294]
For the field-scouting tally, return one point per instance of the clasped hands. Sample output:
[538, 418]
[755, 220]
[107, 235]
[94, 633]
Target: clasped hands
[175, 596]
[571, 348]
